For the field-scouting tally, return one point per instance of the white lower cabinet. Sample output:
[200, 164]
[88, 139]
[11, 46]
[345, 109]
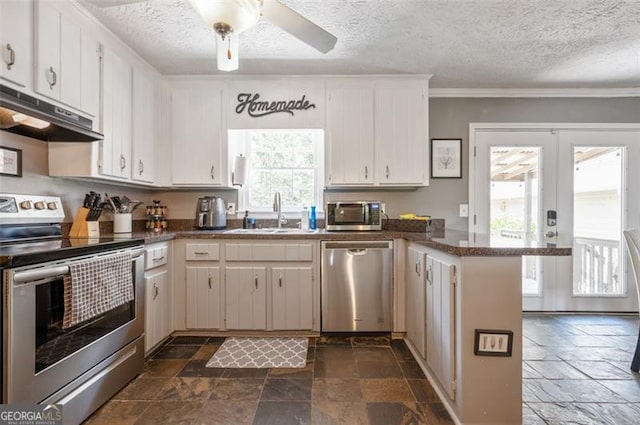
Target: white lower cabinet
[441, 287]
[203, 297]
[246, 302]
[292, 297]
[158, 295]
[415, 298]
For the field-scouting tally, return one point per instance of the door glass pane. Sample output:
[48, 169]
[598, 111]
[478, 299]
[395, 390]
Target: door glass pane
[514, 206]
[597, 220]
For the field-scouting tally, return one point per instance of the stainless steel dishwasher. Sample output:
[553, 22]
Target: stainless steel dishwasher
[356, 286]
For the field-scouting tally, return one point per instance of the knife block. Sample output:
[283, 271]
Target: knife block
[81, 228]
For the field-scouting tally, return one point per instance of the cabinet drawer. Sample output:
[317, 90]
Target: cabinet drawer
[269, 252]
[202, 252]
[155, 257]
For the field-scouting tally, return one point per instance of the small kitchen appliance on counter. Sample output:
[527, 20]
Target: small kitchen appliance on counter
[354, 215]
[211, 213]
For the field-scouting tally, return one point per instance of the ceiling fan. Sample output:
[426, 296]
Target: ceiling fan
[229, 18]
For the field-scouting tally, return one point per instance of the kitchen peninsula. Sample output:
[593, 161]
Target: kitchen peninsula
[447, 286]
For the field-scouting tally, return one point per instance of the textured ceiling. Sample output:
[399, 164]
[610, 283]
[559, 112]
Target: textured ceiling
[463, 43]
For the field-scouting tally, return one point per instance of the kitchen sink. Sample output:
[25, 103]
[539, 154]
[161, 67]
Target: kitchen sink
[271, 231]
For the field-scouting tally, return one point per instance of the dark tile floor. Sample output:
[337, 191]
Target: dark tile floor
[576, 370]
[358, 380]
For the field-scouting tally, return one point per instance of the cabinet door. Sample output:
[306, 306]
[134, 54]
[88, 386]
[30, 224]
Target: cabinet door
[16, 41]
[203, 297]
[144, 126]
[157, 296]
[70, 62]
[401, 123]
[350, 136]
[91, 57]
[47, 74]
[441, 321]
[292, 302]
[246, 300]
[116, 119]
[415, 301]
[197, 139]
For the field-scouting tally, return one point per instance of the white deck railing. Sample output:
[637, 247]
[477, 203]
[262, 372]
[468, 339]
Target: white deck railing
[596, 267]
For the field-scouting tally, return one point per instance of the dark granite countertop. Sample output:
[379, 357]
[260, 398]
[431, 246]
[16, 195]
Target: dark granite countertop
[459, 243]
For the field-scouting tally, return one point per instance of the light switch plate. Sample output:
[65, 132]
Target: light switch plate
[464, 210]
[231, 208]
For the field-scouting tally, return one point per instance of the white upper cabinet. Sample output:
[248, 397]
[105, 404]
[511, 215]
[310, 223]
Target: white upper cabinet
[401, 135]
[276, 103]
[198, 142]
[67, 58]
[377, 132]
[16, 41]
[349, 136]
[145, 117]
[115, 154]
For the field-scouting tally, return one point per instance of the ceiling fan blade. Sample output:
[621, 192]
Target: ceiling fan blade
[113, 3]
[297, 25]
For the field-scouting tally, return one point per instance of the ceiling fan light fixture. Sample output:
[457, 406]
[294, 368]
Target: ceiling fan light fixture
[235, 14]
[227, 52]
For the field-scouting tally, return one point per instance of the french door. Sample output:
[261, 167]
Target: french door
[577, 187]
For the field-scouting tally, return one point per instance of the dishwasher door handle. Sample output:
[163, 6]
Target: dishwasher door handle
[357, 246]
[357, 251]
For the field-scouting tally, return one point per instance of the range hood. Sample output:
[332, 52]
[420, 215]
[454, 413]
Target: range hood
[25, 115]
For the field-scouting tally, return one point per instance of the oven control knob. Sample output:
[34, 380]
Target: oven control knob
[25, 205]
[39, 205]
[52, 205]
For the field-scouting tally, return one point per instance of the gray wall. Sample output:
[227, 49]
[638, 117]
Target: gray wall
[449, 118]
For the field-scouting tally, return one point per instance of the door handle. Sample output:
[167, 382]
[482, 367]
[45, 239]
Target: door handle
[54, 78]
[12, 56]
[210, 280]
[280, 281]
[140, 167]
[123, 162]
[155, 290]
[256, 281]
[213, 172]
[366, 172]
[551, 234]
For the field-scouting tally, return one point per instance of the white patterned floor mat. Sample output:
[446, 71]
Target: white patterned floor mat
[259, 353]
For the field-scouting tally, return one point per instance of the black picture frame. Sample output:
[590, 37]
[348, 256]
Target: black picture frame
[10, 162]
[484, 345]
[446, 158]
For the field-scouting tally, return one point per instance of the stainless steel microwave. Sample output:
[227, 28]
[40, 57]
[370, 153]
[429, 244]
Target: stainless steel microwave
[354, 215]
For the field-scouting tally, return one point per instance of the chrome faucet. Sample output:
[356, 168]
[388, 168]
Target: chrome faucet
[277, 207]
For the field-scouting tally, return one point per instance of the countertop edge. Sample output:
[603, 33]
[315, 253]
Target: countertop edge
[434, 242]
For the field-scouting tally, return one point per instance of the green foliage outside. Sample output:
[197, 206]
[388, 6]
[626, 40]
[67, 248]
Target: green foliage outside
[284, 162]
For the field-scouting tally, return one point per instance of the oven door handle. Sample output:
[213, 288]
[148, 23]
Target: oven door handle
[48, 272]
[37, 274]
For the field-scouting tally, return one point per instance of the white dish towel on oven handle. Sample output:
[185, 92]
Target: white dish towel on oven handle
[95, 286]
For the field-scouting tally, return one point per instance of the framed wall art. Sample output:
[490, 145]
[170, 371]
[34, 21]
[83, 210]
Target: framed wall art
[10, 162]
[446, 158]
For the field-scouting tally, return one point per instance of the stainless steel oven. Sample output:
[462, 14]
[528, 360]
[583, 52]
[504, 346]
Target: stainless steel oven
[354, 215]
[79, 365]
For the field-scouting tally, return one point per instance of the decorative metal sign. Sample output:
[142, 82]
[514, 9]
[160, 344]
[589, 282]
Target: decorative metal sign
[259, 108]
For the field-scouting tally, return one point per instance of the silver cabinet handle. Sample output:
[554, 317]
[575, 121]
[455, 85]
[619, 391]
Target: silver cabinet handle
[12, 56]
[213, 174]
[366, 172]
[210, 280]
[54, 78]
[429, 275]
[418, 268]
[123, 162]
[155, 290]
[256, 281]
[387, 171]
[280, 281]
[140, 167]
[201, 252]
[158, 258]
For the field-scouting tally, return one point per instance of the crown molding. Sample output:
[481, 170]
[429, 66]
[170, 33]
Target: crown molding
[613, 92]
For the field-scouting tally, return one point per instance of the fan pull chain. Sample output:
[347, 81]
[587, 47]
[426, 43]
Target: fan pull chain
[229, 49]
